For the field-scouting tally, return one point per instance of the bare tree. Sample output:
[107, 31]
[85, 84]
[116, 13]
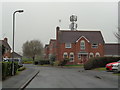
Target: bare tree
[32, 48]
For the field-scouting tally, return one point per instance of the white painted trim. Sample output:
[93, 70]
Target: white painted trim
[97, 53]
[83, 37]
[73, 56]
[70, 45]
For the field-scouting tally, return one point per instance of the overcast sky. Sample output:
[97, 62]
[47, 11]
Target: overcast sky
[39, 19]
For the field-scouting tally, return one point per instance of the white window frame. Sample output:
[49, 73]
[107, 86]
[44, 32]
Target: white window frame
[94, 45]
[81, 46]
[67, 46]
[91, 54]
[79, 56]
[65, 53]
[71, 57]
[97, 54]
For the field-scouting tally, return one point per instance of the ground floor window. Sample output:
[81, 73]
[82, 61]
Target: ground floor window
[79, 56]
[65, 55]
[97, 54]
[91, 55]
[71, 57]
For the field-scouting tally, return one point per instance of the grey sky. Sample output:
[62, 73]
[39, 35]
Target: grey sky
[39, 20]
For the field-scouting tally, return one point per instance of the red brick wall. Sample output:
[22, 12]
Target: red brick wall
[76, 49]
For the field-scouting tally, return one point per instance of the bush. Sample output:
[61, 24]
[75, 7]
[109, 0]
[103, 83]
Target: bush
[99, 62]
[7, 69]
[27, 62]
[21, 68]
[42, 62]
[64, 62]
[56, 63]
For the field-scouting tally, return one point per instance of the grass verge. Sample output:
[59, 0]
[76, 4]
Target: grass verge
[81, 65]
[100, 69]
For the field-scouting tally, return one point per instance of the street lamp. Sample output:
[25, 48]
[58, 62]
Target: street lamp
[20, 11]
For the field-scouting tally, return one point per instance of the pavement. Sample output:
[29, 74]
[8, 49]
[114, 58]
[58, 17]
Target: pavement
[18, 82]
[53, 77]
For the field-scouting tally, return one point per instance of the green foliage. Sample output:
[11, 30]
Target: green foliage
[56, 63]
[64, 62]
[21, 68]
[99, 62]
[7, 69]
[26, 60]
[42, 62]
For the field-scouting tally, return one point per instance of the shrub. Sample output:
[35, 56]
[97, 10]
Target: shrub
[42, 62]
[99, 62]
[56, 63]
[7, 69]
[27, 62]
[64, 62]
[21, 68]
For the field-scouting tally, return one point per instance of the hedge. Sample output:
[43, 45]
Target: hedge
[99, 62]
[7, 69]
[42, 62]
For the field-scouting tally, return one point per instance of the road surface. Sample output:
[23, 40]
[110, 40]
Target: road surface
[56, 77]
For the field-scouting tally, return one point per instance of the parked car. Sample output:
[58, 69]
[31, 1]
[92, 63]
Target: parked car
[116, 67]
[109, 65]
[15, 60]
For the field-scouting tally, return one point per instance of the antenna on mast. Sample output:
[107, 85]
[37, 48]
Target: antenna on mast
[73, 25]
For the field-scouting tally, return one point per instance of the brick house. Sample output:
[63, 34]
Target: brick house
[46, 52]
[50, 50]
[79, 45]
[4, 43]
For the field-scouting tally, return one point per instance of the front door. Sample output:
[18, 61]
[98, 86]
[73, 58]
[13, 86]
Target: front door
[83, 58]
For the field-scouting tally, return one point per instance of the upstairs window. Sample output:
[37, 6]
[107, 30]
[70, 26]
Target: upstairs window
[67, 45]
[82, 45]
[94, 45]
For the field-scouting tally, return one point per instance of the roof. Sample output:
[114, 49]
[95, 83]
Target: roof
[5, 44]
[112, 49]
[73, 36]
[46, 45]
[16, 55]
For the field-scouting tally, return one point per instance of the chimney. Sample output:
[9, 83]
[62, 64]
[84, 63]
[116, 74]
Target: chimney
[57, 28]
[5, 39]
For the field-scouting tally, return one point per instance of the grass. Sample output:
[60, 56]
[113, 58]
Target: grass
[20, 70]
[44, 65]
[81, 65]
[118, 74]
[100, 69]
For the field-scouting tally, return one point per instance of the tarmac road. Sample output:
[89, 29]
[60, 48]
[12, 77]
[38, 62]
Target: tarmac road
[56, 77]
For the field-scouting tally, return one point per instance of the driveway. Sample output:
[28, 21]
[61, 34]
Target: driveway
[56, 77]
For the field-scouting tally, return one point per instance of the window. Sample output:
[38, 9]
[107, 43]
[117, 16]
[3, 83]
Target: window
[82, 44]
[79, 56]
[97, 54]
[91, 55]
[67, 45]
[71, 57]
[65, 55]
[94, 45]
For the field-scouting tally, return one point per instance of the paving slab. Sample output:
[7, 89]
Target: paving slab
[19, 80]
